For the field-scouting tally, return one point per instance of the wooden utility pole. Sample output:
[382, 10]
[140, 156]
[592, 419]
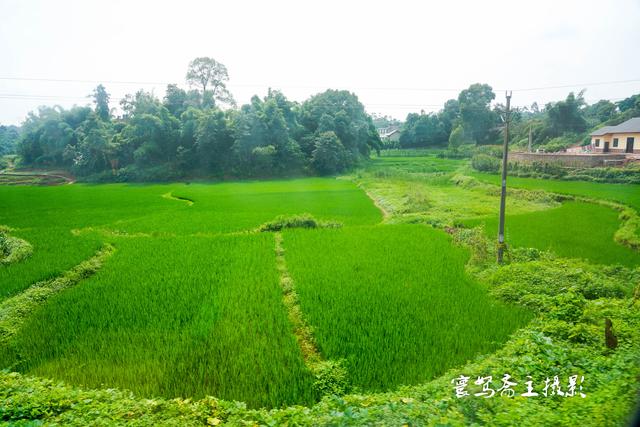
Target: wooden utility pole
[503, 193]
[530, 138]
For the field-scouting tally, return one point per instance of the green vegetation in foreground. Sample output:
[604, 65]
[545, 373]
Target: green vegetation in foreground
[191, 317]
[628, 194]
[571, 298]
[573, 230]
[565, 339]
[394, 301]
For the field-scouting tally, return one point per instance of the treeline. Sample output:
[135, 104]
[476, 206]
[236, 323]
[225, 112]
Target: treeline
[469, 119]
[569, 122]
[187, 134]
[472, 120]
[9, 136]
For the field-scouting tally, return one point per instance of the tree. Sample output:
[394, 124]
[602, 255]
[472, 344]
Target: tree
[600, 112]
[457, 138]
[423, 130]
[95, 149]
[477, 117]
[449, 114]
[182, 135]
[342, 113]
[329, 155]
[566, 116]
[101, 99]
[175, 100]
[9, 136]
[208, 73]
[214, 140]
[629, 103]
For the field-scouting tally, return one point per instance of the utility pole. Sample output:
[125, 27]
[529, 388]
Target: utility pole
[530, 138]
[503, 194]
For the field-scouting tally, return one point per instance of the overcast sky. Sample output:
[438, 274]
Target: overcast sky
[397, 56]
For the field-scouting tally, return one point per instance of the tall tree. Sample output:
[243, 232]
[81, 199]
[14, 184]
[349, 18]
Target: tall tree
[566, 116]
[101, 99]
[208, 73]
[477, 117]
[175, 99]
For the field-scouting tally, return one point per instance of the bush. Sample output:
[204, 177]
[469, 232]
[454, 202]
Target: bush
[329, 156]
[561, 143]
[296, 221]
[485, 163]
[13, 249]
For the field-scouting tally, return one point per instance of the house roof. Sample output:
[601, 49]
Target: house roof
[630, 126]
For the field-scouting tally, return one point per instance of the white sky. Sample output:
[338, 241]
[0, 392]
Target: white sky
[384, 51]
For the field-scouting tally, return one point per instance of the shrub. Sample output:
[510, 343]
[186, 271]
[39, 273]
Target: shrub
[331, 378]
[485, 163]
[296, 221]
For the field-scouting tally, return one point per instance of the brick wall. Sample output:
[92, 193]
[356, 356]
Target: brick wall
[573, 160]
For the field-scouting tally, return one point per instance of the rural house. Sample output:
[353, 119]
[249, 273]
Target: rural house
[391, 134]
[623, 138]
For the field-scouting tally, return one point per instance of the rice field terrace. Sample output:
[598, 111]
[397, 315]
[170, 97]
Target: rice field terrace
[190, 303]
[275, 293]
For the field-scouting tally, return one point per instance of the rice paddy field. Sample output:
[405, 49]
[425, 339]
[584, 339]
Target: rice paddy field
[195, 300]
[629, 194]
[394, 301]
[561, 230]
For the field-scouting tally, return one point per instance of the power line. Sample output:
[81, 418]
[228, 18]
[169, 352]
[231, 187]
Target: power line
[422, 89]
[578, 85]
[32, 97]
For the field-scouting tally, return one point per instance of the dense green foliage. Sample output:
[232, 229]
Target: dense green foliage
[187, 134]
[467, 119]
[399, 308]
[566, 123]
[471, 119]
[9, 136]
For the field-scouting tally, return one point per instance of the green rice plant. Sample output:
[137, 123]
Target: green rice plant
[53, 250]
[573, 230]
[190, 317]
[628, 194]
[394, 302]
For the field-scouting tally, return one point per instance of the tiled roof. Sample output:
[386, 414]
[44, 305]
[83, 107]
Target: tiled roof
[631, 125]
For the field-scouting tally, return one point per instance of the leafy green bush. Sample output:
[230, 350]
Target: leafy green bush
[13, 249]
[331, 378]
[485, 163]
[562, 142]
[296, 221]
